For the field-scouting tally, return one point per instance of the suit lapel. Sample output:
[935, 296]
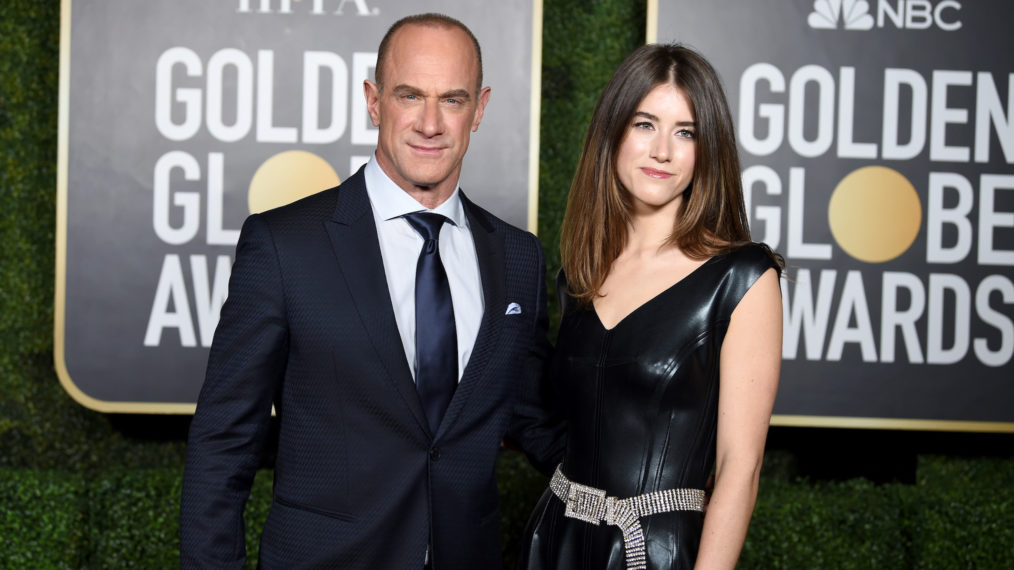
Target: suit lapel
[353, 236]
[489, 250]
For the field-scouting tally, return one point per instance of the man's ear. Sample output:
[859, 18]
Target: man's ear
[372, 93]
[480, 107]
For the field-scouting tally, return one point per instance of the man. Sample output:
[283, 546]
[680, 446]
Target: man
[373, 471]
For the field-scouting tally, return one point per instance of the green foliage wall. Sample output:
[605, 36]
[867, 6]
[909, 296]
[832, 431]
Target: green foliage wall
[958, 514]
[79, 489]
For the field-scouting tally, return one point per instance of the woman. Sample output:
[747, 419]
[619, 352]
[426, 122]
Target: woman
[668, 354]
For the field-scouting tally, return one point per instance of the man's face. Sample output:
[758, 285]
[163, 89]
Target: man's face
[429, 104]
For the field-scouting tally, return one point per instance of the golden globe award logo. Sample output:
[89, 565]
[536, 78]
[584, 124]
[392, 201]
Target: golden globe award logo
[230, 98]
[875, 213]
[287, 177]
[877, 139]
[180, 119]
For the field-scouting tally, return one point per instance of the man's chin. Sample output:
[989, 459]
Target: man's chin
[428, 180]
[424, 186]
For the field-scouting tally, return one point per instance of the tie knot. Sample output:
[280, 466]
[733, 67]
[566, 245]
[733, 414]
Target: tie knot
[427, 224]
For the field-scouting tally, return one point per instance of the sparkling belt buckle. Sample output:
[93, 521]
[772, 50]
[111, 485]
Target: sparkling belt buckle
[589, 504]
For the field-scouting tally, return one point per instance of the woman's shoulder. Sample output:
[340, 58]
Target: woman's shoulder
[741, 267]
[755, 258]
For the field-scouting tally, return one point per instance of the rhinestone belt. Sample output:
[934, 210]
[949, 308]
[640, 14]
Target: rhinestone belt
[592, 505]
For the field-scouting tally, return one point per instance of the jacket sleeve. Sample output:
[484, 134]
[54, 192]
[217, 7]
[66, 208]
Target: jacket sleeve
[537, 426]
[233, 416]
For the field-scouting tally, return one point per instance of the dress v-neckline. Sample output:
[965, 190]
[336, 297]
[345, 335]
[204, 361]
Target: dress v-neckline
[626, 317]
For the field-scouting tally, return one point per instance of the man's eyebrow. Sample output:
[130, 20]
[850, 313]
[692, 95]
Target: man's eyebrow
[651, 117]
[456, 94]
[403, 89]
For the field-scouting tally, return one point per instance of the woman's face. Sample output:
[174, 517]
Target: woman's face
[655, 162]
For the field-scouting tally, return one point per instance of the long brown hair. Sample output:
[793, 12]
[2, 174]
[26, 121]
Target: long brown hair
[712, 217]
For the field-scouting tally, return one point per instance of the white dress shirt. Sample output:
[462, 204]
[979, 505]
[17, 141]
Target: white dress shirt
[400, 245]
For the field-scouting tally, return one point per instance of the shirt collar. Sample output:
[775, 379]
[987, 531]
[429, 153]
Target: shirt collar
[389, 201]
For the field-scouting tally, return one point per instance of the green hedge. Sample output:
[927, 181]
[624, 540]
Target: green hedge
[959, 514]
[969, 523]
[44, 521]
[851, 524]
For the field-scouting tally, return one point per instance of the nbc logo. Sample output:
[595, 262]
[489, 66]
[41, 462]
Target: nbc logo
[903, 14]
[827, 13]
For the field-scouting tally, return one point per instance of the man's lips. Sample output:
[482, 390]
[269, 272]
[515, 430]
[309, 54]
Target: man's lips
[427, 150]
[653, 173]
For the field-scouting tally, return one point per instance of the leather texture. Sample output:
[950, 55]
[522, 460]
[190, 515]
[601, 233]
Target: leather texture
[360, 479]
[641, 401]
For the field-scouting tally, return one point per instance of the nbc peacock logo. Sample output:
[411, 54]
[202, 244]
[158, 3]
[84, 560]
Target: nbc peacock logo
[854, 14]
[901, 14]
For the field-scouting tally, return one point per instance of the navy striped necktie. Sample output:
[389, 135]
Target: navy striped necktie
[436, 342]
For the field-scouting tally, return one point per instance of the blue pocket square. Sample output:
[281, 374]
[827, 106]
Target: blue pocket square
[513, 309]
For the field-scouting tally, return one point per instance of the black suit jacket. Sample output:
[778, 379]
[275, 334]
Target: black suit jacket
[360, 480]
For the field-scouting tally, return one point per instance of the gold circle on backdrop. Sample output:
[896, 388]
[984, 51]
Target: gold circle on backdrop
[874, 214]
[287, 177]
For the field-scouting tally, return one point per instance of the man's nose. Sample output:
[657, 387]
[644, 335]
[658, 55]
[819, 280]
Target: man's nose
[431, 119]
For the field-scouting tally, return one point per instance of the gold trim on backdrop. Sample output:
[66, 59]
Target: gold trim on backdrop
[534, 119]
[60, 293]
[651, 23]
[890, 424]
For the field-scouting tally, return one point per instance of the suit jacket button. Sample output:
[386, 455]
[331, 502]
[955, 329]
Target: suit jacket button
[435, 453]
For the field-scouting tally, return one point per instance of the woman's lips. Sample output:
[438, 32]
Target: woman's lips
[661, 174]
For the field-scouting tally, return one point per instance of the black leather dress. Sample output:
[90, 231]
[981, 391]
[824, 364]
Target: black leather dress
[641, 402]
